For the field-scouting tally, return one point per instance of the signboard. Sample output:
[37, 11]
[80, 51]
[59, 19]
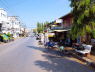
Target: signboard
[51, 34]
[59, 21]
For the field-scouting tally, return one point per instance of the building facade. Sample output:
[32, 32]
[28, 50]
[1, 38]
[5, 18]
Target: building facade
[11, 24]
[4, 25]
[67, 21]
[15, 25]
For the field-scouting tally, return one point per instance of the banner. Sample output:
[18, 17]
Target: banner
[51, 34]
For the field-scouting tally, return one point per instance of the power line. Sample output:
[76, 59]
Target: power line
[4, 4]
[5, 1]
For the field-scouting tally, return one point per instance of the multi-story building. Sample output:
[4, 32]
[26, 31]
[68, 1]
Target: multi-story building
[10, 24]
[61, 27]
[3, 21]
[67, 21]
[15, 25]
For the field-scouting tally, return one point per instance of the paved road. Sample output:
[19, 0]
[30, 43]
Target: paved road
[24, 55]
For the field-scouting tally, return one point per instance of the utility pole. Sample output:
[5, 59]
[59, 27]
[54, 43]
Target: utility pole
[12, 28]
[0, 27]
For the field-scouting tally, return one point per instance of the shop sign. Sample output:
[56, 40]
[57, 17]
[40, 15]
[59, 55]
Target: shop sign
[51, 34]
[59, 21]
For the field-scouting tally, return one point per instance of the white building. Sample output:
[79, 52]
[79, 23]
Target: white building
[15, 25]
[10, 24]
[4, 25]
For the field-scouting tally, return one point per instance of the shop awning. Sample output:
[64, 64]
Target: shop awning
[61, 30]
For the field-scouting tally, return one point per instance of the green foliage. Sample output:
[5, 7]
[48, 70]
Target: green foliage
[93, 33]
[83, 17]
[34, 30]
[93, 9]
[8, 34]
[5, 37]
[41, 27]
[88, 28]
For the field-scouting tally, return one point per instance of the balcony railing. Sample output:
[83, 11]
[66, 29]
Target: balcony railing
[60, 27]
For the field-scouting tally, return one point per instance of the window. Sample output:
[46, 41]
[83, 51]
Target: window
[0, 26]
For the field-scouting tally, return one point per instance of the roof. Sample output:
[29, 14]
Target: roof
[69, 14]
[2, 9]
[63, 17]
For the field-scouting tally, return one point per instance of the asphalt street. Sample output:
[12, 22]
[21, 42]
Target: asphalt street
[25, 55]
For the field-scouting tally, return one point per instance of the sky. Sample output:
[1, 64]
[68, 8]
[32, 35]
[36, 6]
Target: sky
[33, 11]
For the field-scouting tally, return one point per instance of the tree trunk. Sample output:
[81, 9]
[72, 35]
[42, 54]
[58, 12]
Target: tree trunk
[88, 38]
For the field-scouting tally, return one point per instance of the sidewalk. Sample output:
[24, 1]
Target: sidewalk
[74, 56]
[83, 60]
[88, 60]
[11, 41]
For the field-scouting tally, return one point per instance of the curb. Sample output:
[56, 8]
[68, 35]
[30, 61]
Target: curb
[86, 60]
[1, 43]
[92, 64]
[83, 59]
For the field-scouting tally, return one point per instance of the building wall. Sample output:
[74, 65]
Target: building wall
[15, 25]
[3, 15]
[10, 24]
[3, 21]
[67, 20]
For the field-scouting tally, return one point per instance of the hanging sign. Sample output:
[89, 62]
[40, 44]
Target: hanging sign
[59, 21]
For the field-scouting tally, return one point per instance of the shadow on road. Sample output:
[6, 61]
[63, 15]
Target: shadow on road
[36, 48]
[48, 51]
[54, 63]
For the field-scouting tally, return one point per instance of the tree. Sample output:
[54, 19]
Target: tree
[41, 27]
[45, 25]
[83, 17]
[38, 27]
[34, 30]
